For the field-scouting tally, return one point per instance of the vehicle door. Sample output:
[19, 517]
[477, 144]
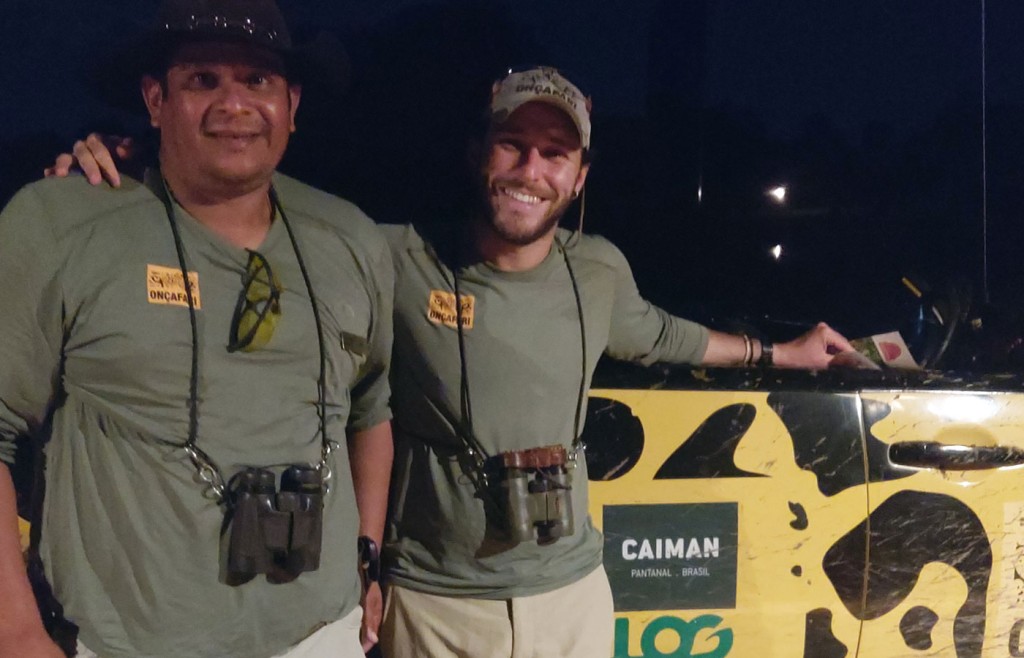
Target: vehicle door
[946, 521]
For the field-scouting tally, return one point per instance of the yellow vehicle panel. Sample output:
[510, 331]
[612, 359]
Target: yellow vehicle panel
[809, 540]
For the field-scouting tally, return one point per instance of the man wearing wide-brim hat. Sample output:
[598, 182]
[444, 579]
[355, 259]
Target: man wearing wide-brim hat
[194, 349]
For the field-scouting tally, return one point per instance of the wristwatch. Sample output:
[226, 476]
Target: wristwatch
[369, 559]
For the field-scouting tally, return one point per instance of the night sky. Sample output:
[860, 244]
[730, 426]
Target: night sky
[832, 96]
[854, 61]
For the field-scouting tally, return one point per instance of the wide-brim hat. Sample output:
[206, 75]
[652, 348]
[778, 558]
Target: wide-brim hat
[253, 22]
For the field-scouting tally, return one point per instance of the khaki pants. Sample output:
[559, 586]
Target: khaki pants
[575, 621]
[339, 639]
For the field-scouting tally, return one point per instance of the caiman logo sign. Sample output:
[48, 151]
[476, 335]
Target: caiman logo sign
[165, 285]
[671, 557]
[684, 634]
[441, 309]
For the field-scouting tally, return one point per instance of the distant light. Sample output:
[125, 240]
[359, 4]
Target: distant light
[778, 193]
[776, 251]
[700, 193]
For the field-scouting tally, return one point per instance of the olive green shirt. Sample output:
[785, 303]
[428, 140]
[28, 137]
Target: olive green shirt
[95, 330]
[524, 365]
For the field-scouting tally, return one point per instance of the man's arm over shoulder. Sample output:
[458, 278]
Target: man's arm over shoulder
[32, 327]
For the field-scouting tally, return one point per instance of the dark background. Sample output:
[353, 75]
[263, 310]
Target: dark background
[871, 112]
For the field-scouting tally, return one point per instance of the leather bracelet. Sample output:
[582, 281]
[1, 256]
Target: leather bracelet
[767, 359]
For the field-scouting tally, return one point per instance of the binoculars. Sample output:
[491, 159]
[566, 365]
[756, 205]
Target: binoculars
[537, 487]
[275, 532]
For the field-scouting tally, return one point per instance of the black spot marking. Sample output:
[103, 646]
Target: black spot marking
[909, 530]
[826, 436]
[711, 450]
[916, 627]
[880, 469]
[797, 571]
[799, 521]
[614, 437]
[826, 432]
[819, 640]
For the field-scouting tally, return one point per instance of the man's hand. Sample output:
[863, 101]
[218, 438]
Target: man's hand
[370, 453]
[813, 350]
[373, 611]
[95, 157]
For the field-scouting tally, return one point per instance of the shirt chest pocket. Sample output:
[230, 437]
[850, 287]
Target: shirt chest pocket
[347, 328]
[357, 346]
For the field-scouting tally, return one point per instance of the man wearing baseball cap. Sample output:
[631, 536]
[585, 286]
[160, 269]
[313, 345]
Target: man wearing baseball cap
[194, 349]
[499, 323]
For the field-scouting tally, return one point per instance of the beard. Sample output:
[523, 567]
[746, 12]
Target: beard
[515, 227]
[509, 229]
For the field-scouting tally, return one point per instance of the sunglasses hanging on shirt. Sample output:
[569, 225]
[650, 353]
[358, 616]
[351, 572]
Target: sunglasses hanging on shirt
[259, 306]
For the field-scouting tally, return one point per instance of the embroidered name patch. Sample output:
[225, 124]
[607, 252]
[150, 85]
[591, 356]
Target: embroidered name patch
[441, 309]
[165, 285]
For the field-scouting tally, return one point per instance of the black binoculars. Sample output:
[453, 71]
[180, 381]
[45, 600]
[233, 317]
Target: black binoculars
[537, 484]
[275, 532]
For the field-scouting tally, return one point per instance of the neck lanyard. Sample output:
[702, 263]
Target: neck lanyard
[474, 449]
[206, 468]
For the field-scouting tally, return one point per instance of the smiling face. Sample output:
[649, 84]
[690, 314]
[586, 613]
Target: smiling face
[533, 168]
[225, 112]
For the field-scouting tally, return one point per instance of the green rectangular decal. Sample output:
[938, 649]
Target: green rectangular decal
[671, 557]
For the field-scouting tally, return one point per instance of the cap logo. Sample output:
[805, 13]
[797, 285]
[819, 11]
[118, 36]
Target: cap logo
[548, 90]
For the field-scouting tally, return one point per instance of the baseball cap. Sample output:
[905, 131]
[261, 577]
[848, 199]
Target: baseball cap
[543, 84]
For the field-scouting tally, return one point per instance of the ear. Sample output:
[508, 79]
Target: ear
[153, 97]
[581, 178]
[294, 96]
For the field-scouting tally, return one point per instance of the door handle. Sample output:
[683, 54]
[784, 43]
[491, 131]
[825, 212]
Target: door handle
[931, 454]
